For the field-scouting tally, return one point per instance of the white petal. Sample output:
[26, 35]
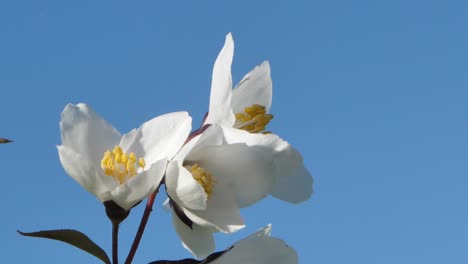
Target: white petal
[254, 88]
[85, 173]
[167, 205]
[287, 161]
[293, 183]
[272, 141]
[160, 137]
[87, 133]
[212, 136]
[246, 170]
[183, 188]
[221, 211]
[221, 86]
[186, 149]
[295, 188]
[263, 232]
[140, 186]
[198, 240]
[259, 250]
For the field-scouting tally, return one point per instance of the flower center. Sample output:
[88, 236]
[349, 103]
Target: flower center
[203, 177]
[254, 119]
[121, 166]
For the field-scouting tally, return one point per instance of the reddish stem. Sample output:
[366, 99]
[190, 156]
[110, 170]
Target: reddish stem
[141, 228]
[150, 202]
[115, 242]
[197, 132]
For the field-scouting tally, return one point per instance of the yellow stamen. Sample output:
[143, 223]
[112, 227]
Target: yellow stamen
[121, 166]
[203, 177]
[141, 163]
[254, 119]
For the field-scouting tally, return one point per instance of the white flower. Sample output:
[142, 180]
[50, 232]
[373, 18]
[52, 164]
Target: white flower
[243, 113]
[124, 169]
[226, 168]
[207, 180]
[259, 248]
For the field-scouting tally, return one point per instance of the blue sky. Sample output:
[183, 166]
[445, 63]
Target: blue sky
[373, 94]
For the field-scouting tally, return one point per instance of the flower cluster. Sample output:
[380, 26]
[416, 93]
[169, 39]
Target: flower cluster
[231, 161]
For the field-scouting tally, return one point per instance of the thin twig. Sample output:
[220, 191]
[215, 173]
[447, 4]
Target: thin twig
[141, 228]
[115, 242]
[150, 202]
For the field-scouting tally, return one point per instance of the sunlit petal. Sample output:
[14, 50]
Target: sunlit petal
[221, 213]
[254, 88]
[246, 170]
[85, 173]
[183, 188]
[86, 132]
[160, 137]
[139, 187]
[212, 136]
[198, 240]
[291, 181]
[221, 86]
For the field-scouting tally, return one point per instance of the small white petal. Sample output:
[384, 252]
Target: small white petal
[254, 88]
[183, 188]
[221, 212]
[246, 170]
[259, 249]
[295, 188]
[198, 240]
[140, 186]
[167, 205]
[87, 133]
[160, 137]
[263, 232]
[221, 86]
[85, 173]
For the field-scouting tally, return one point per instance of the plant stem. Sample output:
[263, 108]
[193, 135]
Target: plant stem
[141, 228]
[115, 242]
[150, 202]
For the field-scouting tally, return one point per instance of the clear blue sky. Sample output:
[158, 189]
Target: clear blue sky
[373, 93]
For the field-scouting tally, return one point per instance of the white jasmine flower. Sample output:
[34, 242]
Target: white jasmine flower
[124, 169]
[243, 113]
[207, 180]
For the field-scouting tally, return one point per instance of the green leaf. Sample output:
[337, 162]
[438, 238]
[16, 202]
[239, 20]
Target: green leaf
[74, 238]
